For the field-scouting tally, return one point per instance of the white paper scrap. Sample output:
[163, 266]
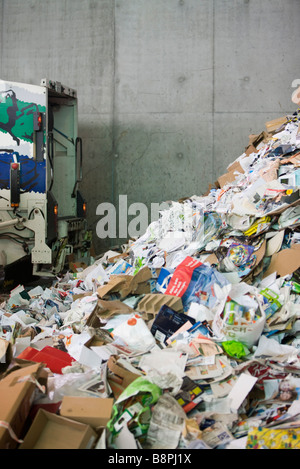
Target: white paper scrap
[241, 390]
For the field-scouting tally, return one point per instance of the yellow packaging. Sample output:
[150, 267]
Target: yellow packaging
[271, 438]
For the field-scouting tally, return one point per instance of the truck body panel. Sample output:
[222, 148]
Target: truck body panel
[42, 213]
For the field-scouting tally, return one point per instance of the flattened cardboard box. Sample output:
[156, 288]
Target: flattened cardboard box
[93, 411]
[230, 176]
[284, 262]
[51, 431]
[275, 124]
[16, 396]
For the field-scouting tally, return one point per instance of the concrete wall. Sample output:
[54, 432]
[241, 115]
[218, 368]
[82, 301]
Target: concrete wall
[168, 90]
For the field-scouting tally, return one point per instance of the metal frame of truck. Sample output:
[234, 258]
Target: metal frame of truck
[42, 212]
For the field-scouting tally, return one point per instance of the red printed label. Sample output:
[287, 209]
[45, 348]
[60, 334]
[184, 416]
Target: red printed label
[182, 276]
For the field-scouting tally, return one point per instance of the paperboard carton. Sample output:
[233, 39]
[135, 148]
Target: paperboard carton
[51, 431]
[5, 354]
[16, 396]
[119, 378]
[152, 303]
[93, 411]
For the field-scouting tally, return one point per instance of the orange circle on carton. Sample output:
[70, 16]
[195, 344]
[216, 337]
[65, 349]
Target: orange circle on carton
[132, 322]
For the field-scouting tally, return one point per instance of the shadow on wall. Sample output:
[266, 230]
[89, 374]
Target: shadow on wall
[130, 171]
[96, 185]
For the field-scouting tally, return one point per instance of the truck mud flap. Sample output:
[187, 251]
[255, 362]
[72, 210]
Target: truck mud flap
[19, 272]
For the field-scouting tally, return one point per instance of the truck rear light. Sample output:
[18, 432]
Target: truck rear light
[81, 206]
[52, 218]
[37, 121]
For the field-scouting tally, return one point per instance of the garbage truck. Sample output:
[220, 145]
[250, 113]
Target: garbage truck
[42, 211]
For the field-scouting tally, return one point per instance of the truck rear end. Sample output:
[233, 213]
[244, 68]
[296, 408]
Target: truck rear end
[42, 212]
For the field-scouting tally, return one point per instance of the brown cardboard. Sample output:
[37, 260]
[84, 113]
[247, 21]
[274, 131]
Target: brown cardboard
[251, 149]
[140, 281]
[136, 284]
[212, 259]
[144, 274]
[231, 175]
[5, 354]
[260, 253]
[77, 267]
[152, 303]
[93, 411]
[275, 124]
[113, 259]
[106, 309]
[95, 342]
[254, 141]
[235, 166]
[285, 262]
[51, 431]
[17, 392]
[118, 377]
[294, 159]
[19, 364]
[78, 296]
[128, 284]
[143, 288]
[113, 285]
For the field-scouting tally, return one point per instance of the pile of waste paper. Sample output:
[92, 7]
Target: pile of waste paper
[188, 338]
